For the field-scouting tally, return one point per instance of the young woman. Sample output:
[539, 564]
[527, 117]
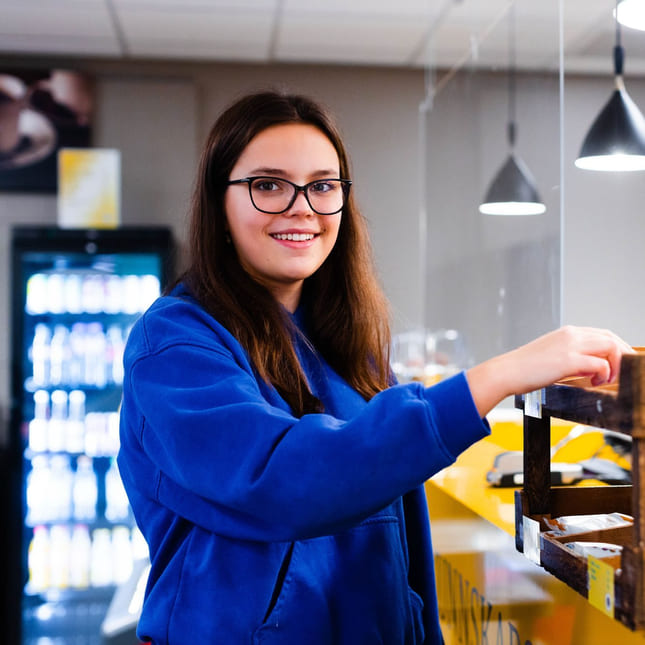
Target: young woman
[273, 467]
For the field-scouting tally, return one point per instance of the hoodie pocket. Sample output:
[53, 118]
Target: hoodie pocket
[346, 589]
[279, 584]
[416, 607]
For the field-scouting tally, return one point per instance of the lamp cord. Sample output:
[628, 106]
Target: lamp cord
[511, 129]
[619, 53]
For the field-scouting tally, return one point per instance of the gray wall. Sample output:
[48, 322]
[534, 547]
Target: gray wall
[604, 225]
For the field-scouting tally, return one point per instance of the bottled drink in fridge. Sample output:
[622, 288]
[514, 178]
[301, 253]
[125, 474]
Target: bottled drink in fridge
[101, 558]
[59, 351]
[81, 558]
[60, 553]
[60, 490]
[57, 421]
[73, 294]
[75, 427]
[92, 293]
[38, 426]
[40, 355]
[56, 293]
[39, 509]
[117, 506]
[122, 557]
[85, 490]
[36, 294]
[95, 373]
[38, 560]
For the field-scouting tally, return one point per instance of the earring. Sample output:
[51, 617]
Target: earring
[227, 237]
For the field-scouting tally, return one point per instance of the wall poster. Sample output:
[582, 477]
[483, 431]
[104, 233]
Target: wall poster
[41, 111]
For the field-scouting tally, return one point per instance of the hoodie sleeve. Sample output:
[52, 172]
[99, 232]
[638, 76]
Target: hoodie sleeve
[210, 445]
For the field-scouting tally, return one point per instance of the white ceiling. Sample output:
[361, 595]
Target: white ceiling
[408, 33]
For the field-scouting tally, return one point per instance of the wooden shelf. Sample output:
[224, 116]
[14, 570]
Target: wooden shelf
[619, 407]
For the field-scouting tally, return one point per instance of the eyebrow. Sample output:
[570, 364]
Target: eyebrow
[279, 172]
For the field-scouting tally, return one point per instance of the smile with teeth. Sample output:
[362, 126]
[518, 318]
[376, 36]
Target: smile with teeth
[293, 237]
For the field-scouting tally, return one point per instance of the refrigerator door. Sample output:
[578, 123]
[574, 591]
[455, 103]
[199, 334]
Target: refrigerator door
[76, 294]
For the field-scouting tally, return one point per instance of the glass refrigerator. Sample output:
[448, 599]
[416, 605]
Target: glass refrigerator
[75, 295]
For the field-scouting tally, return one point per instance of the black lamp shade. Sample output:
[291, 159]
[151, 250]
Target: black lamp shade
[619, 129]
[512, 191]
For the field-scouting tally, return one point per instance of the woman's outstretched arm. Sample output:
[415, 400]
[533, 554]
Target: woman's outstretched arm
[568, 351]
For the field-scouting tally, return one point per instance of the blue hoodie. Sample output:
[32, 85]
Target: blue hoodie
[268, 528]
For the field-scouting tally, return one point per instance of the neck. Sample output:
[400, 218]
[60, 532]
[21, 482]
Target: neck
[288, 296]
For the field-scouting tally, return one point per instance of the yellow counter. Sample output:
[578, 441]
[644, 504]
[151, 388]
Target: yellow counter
[489, 593]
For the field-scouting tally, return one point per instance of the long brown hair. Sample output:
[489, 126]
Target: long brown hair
[346, 313]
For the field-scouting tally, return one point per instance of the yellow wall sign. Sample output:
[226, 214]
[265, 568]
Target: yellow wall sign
[601, 585]
[89, 188]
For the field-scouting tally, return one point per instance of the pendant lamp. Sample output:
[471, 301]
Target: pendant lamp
[512, 191]
[616, 139]
[631, 13]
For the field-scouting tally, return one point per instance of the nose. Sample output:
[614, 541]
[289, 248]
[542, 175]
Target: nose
[300, 205]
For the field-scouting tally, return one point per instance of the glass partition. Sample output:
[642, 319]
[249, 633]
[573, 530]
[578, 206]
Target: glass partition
[491, 281]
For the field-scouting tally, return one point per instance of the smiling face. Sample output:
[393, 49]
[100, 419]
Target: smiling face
[280, 251]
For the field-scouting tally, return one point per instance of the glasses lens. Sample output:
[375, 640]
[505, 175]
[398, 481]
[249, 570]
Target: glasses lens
[273, 195]
[326, 196]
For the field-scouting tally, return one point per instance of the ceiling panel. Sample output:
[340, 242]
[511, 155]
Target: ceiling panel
[385, 8]
[200, 32]
[41, 5]
[77, 46]
[195, 5]
[228, 50]
[184, 26]
[74, 28]
[68, 19]
[332, 37]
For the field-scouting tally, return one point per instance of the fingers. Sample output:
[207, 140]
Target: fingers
[614, 357]
[600, 350]
[605, 334]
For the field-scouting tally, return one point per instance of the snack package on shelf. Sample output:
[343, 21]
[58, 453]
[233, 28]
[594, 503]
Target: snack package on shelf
[595, 549]
[569, 524]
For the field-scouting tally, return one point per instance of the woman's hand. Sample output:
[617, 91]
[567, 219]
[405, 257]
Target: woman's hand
[568, 351]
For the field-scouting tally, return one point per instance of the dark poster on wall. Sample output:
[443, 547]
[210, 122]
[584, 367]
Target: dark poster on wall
[41, 111]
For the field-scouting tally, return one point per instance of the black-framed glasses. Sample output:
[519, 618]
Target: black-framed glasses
[274, 195]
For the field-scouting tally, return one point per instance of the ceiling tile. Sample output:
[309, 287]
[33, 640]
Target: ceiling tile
[75, 28]
[46, 45]
[419, 8]
[198, 50]
[186, 26]
[200, 32]
[196, 5]
[359, 39]
[89, 19]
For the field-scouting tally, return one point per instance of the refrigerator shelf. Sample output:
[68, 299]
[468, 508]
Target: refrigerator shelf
[69, 595]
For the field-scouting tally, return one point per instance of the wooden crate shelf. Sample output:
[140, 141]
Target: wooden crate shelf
[619, 407]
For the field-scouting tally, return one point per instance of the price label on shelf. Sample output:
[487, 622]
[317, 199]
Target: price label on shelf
[601, 585]
[531, 537]
[533, 403]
